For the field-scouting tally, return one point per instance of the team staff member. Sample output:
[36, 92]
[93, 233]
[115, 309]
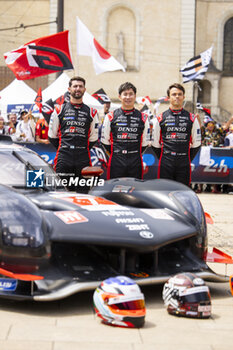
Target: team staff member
[125, 134]
[77, 128]
[176, 138]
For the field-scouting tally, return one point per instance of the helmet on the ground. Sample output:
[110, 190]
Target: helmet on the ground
[186, 294]
[118, 301]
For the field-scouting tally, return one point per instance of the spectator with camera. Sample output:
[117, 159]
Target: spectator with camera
[25, 129]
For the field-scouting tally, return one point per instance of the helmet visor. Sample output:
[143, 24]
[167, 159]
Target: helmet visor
[130, 305]
[126, 303]
[195, 295]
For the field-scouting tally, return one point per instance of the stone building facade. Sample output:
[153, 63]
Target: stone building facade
[214, 26]
[157, 37]
[20, 22]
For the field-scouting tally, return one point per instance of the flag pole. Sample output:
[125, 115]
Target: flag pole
[77, 65]
[195, 95]
[60, 22]
[77, 53]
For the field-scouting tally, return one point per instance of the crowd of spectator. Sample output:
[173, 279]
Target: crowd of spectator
[24, 127]
[216, 135]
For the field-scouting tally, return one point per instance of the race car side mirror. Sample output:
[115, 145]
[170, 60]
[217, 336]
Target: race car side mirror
[209, 219]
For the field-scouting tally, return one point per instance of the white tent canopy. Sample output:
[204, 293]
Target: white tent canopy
[57, 88]
[18, 94]
[60, 86]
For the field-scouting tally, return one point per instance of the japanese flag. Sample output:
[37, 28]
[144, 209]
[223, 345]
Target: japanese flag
[87, 45]
[144, 100]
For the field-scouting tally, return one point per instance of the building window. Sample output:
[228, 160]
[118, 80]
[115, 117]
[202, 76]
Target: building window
[228, 47]
[204, 94]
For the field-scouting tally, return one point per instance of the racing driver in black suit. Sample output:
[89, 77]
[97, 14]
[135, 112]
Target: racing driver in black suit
[77, 128]
[176, 138]
[125, 134]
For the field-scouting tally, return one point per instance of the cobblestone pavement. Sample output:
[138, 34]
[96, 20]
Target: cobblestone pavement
[70, 324]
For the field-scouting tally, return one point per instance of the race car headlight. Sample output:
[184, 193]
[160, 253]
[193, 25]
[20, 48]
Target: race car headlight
[20, 221]
[190, 203]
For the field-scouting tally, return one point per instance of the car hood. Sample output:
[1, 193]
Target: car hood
[87, 219]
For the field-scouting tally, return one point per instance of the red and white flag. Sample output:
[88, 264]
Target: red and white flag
[157, 103]
[41, 56]
[87, 45]
[101, 96]
[144, 100]
[38, 99]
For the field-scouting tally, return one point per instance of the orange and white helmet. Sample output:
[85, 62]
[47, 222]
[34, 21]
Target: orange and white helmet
[118, 301]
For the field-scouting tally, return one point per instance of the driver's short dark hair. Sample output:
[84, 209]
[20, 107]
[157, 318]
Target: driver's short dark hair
[126, 86]
[78, 79]
[177, 86]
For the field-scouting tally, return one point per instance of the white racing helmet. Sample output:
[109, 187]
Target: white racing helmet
[118, 301]
[186, 294]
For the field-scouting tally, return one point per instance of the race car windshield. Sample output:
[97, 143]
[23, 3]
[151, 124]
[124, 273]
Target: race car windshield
[190, 202]
[15, 164]
[15, 227]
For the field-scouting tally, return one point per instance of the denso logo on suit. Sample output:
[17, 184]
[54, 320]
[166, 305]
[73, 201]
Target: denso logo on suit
[75, 123]
[127, 129]
[176, 128]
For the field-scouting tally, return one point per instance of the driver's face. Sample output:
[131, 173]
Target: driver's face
[77, 89]
[176, 98]
[127, 98]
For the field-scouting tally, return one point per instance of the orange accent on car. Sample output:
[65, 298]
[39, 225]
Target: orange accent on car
[18, 276]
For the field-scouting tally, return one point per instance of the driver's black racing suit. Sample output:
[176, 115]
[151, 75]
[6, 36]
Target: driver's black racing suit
[127, 132]
[176, 138]
[77, 128]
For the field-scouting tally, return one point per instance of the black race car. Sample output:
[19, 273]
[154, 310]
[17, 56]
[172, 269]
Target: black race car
[54, 243]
